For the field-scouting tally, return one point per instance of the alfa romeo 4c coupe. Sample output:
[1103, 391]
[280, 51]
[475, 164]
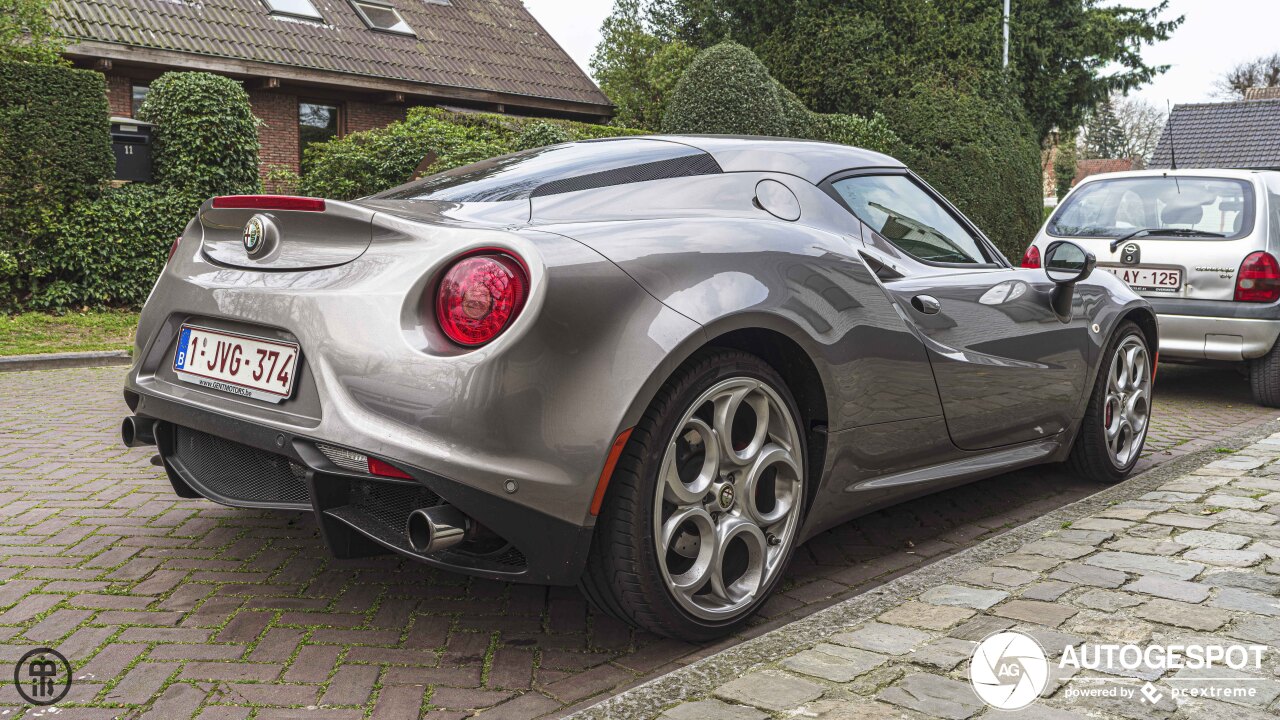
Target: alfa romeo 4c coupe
[648, 366]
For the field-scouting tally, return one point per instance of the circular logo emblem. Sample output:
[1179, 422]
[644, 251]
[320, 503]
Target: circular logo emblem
[1008, 670]
[255, 234]
[42, 676]
[1131, 254]
[725, 497]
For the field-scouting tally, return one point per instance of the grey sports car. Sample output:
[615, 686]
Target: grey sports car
[651, 366]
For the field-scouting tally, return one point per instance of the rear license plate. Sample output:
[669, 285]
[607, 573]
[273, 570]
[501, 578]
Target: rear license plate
[237, 364]
[1146, 278]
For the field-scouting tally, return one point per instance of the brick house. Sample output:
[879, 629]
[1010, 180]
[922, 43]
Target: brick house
[317, 69]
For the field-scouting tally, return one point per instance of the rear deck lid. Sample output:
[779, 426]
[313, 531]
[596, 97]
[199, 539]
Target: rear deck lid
[273, 233]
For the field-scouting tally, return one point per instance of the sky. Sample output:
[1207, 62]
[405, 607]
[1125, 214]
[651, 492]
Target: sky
[1216, 35]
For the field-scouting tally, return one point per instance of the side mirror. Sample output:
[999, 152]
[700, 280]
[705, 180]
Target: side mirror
[1066, 262]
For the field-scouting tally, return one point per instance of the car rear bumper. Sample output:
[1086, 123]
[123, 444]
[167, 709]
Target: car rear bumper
[243, 464]
[1203, 337]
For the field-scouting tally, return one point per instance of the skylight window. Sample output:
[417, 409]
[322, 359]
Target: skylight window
[382, 17]
[295, 8]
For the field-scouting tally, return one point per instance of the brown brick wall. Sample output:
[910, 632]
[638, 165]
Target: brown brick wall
[278, 133]
[367, 116]
[120, 95]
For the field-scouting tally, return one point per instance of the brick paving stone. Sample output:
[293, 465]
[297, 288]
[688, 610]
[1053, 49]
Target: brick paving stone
[925, 615]
[769, 690]
[934, 696]
[944, 653]
[1043, 613]
[1108, 600]
[1194, 617]
[1210, 539]
[1169, 589]
[880, 637]
[834, 662]
[978, 599]
[94, 526]
[1133, 562]
[1225, 558]
[712, 710]
[1079, 574]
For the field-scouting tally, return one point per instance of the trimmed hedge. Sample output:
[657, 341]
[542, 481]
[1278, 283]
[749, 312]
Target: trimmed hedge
[206, 136]
[980, 151]
[55, 150]
[107, 248]
[728, 91]
[364, 163]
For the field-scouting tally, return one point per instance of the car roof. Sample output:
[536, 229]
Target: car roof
[809, 159]
[1234, 173]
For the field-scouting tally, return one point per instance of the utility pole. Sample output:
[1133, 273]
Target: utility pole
[1006, 34]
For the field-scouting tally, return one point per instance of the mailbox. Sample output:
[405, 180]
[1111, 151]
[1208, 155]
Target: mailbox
[131, 141]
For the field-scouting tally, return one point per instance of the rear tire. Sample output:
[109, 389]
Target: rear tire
[1116, 420]
[1264, 378]
[705, 503]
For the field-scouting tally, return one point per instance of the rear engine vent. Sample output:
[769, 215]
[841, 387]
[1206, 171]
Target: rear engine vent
[239, 474]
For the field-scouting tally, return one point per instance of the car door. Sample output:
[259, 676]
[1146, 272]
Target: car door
[1008, 368]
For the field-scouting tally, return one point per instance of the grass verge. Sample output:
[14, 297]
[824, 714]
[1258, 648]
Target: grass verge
[32, 333]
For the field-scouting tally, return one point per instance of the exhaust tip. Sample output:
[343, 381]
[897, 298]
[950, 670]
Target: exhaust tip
[138, 431]
[435, 528]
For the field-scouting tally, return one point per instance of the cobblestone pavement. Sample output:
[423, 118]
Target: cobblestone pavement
[174, 608]
[1182, 558]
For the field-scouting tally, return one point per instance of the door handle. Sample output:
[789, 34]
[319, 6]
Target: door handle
[926, 304]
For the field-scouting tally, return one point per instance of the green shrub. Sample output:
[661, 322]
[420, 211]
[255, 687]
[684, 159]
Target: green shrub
[980, 151]
[726, 90]
[364, 163]
[206, 136]
[55, 150]
[109, 250]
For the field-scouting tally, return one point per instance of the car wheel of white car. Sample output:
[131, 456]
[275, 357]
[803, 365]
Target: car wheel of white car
[1264, 378]
[1114, 428]
[705, 504]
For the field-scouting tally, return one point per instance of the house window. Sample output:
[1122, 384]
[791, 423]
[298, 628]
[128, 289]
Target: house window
[317, 122]
[139, 94]
[381, 17]
[296, 8]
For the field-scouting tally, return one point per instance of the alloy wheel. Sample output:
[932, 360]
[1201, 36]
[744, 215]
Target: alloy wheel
[728, 500]
[1127, 407]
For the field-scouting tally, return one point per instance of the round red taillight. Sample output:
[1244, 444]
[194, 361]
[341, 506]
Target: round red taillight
[479, 296]
[1031, 258]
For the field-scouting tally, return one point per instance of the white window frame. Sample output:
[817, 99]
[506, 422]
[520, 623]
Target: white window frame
[317, 17]
[357, 5]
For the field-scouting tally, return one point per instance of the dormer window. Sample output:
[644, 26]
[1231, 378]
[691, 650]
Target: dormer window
[380, 16]
[294, 8]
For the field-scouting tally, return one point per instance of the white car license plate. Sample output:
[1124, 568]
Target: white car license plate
[1147, 278]
[237, 364]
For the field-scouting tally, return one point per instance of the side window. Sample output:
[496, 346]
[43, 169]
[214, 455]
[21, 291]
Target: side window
[906, 216]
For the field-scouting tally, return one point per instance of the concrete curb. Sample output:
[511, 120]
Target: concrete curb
[700, 678]
[56, 361]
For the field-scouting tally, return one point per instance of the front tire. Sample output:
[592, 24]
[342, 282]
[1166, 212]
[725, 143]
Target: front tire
[1264, 378]
[1114, 428]
[705, 504]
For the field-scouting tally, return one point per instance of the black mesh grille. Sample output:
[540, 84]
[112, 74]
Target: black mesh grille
[687, 166]
[390, 504]
[238, 472]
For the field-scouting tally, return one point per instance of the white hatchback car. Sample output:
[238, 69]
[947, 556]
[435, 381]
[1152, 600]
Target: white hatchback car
[1201, 246]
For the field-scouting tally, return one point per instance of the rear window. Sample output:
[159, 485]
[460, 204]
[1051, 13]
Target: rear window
[559, 169]
[1216, 207]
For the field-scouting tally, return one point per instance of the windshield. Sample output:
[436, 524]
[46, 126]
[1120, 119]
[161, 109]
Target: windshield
[1214, 207]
